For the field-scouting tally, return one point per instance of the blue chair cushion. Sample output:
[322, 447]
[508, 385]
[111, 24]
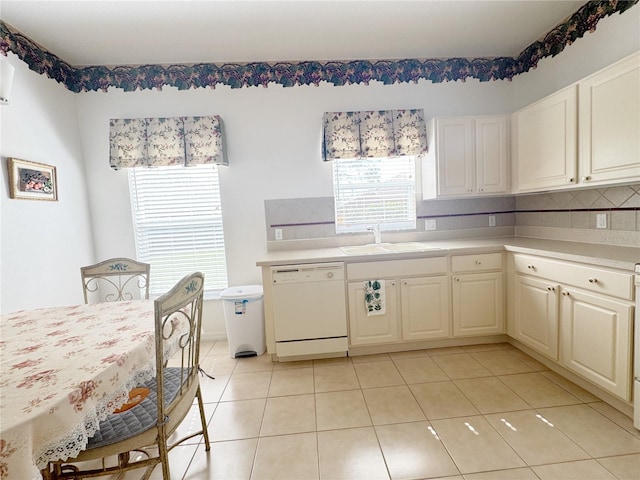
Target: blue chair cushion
[122, 426]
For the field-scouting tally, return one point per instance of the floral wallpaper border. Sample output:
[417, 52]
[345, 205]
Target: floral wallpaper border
[288, 74]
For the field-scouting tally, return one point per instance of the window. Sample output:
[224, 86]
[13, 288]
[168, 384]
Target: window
[177, 218]
[374, 190]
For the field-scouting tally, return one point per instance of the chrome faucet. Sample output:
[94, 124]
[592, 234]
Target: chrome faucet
[377, 234]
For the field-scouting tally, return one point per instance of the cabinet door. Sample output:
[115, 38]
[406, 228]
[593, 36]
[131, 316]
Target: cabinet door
[367, 329]
[455, 156]
[545, 138]
[535, 314]
[478, 307]
[425, 308]
[596, 340]
[492, 154]
[610, 123]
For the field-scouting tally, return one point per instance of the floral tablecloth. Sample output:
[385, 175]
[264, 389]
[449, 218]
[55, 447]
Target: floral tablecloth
[62, 371]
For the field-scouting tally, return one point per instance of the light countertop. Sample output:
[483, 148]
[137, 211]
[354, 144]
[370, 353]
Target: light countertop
[611, 256]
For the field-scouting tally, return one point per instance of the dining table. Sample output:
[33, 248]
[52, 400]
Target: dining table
[62, 371]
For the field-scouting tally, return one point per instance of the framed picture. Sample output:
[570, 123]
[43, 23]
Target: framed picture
[31, 180]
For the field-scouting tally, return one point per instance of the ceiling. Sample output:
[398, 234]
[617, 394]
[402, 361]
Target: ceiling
[119, 32]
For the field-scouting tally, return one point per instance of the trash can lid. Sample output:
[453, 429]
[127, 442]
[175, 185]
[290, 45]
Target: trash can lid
[242, 292]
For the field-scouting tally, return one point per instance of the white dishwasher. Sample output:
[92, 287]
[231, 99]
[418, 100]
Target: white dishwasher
[309, 309]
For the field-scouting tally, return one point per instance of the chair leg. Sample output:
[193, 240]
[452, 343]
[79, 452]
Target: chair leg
[163, 453]
[54, 470]
[203, 419]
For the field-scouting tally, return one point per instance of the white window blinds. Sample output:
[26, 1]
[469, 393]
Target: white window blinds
[372, 191]
[177, 219]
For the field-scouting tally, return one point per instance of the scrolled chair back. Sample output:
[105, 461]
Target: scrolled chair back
[114, 280]
[159, 405]
[178, 317]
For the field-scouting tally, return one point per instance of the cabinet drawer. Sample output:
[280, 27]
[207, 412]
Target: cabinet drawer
[396, 268]
[473, 263]
[593, 279]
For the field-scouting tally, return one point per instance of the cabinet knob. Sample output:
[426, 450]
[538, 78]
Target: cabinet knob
[570, 180]
[551, 289]
[531, 267]
[482, 189]
[393, 283]
[457, 279]
[566, 294]
[593, 280]
[586, 178]
[478, 262]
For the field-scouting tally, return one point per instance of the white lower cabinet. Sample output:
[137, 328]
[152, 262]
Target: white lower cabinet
[425, 308]
[416, 309]
[478, 304]
[416, 301]
[477, 294]
[365, 329]
[596, 337]
[535, 319]
[577, 315]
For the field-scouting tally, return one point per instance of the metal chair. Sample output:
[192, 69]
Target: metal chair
[115, 280]
[151, 422]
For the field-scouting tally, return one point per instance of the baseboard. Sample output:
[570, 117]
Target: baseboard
[213, 336]
[617, 403]
[357, 350]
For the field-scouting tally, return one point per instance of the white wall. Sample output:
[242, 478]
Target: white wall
[42, 244]
[616, 37]
[273, 139]
[273, 136]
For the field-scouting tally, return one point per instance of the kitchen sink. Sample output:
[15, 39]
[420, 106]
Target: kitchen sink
[363, 249]
[408, 247]
[377, 248]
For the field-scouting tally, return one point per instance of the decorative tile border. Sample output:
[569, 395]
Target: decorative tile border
[573, 210]
[237, 75]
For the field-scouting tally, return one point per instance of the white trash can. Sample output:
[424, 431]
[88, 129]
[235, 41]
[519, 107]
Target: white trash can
[244, 318]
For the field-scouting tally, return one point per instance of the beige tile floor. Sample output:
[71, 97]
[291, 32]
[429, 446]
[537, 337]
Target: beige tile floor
[479, 412]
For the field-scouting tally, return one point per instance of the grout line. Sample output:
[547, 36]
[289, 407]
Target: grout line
[475, 214]
[537, 372]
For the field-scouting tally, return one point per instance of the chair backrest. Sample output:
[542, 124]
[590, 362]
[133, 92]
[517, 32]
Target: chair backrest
[178, 320]
[115, 280]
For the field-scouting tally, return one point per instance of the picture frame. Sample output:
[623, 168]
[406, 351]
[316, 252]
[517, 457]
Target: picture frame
[31, 180]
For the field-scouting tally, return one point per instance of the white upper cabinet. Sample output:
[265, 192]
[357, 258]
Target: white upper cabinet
[609, 119]
[545, 143]
[467, 156]
[492, 154]
[585, 134]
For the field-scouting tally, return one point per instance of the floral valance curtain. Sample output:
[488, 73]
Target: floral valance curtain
[385, 133]
[150, 142]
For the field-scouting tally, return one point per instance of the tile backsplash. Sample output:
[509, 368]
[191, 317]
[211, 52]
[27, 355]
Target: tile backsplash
[564, 215]
[573, 215]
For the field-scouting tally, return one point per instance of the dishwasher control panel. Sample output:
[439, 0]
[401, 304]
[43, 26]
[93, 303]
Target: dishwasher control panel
[314, 272]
